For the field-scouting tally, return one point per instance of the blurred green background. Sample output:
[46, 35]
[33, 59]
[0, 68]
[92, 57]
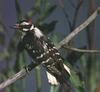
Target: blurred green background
[56, 18]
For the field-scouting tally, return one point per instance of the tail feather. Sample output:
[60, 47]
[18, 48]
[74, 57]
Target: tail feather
[52, 80]
[63, 80]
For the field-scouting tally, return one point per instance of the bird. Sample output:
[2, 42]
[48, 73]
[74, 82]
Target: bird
[42, 51]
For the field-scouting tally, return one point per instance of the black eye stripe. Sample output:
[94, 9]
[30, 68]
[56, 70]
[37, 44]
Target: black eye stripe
[25, 26]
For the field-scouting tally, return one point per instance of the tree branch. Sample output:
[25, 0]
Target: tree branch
[68, 38]
[23, 72]
[13, 78]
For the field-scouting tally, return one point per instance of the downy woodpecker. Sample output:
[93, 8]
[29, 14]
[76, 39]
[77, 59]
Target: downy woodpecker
[42, 51]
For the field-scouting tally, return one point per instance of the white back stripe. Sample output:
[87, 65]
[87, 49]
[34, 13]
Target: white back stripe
[38, 33]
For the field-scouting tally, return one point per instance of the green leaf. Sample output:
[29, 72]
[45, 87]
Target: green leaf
[38, 79]
[47, 4]
[53, 88]
[76, 82]
[18, 10]
[37, 3]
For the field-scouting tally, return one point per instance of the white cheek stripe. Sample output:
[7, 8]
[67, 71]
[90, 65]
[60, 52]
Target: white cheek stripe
[25, 29]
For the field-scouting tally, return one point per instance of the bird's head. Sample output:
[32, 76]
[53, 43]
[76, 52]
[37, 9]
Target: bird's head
[24, 25]
[27, 26]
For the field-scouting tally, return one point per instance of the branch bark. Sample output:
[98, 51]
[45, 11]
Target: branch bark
[13, 78]
[23, 72]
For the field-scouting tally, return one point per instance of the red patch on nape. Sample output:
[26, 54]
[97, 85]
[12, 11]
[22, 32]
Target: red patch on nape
[30, 22]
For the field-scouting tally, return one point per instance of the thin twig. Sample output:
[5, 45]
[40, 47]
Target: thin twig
[23, 72]
[81, 50]
[76, 14]
[61, 4]
[72, 3]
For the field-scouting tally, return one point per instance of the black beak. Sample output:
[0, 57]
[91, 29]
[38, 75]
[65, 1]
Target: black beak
[13, 27]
